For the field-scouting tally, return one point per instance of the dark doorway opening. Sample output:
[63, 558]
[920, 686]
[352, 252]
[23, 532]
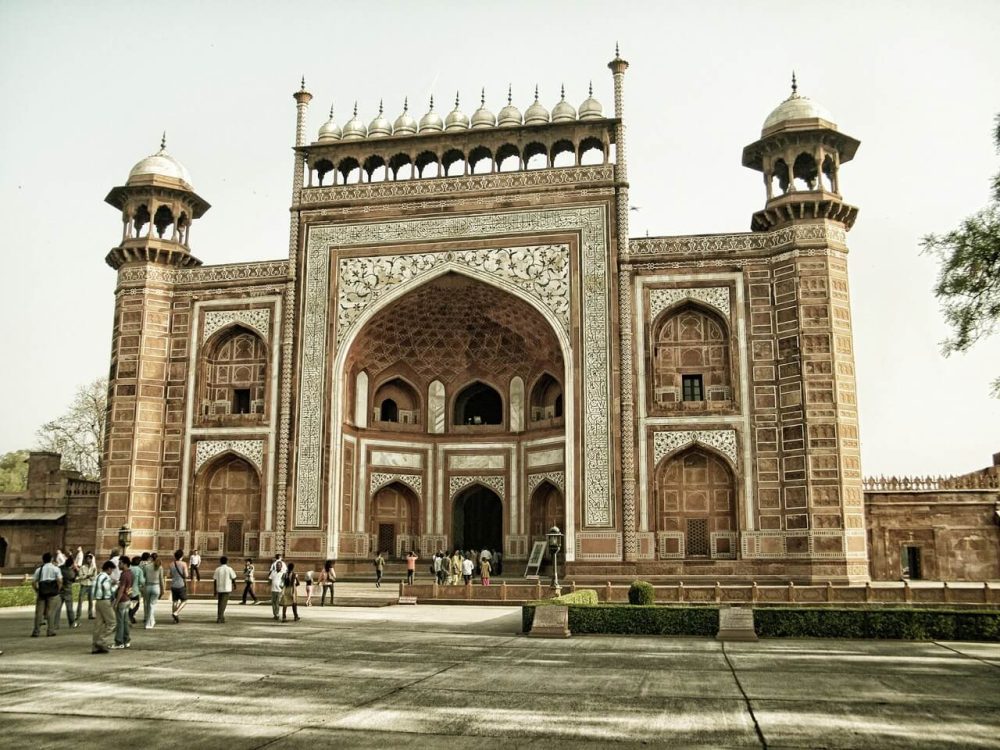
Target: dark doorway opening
[3, 551]
[911, 563]
[478, 404]
[477, 520]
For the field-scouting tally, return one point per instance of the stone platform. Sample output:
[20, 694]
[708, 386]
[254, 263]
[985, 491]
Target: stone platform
[461, 676]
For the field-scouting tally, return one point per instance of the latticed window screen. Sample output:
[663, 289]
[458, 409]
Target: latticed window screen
[697, 536]
[693, 388]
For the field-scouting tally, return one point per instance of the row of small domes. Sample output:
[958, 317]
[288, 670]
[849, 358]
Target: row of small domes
[508, 117]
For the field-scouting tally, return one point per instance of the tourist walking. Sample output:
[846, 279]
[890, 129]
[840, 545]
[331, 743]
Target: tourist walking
[326, 581]
[60, 557]
[248, 571]
[411, 566]
[123, 601]
[68, 572]
[224, 577]
[289, 593]
[104, 622]
[277, 578]
[138, 586]
[467, 568]
[436, 568]
[86, 577]
[455, 568]
[379, 568]
[484, 572]
[153, 589]
[178, 585]
[46, 581]
[309, 587]
[195, 560]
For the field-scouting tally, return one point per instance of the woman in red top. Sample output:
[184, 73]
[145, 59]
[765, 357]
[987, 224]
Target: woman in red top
[411, 566]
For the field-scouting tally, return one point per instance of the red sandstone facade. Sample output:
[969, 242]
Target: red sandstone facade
[460, 354]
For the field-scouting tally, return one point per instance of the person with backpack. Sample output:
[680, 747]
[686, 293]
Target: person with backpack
[289, 593]
[379, 563]
[46, 581]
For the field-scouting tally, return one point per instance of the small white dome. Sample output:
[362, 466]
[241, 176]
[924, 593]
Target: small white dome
[797, 107]
[354, 129]
[456, 119]
[536, 114]
[482, 117]
[405, 125]
[330, 130]
[431, 122]
[591, 108]
[161, 164]
[510, 116]
[563, 111]
[380, 126]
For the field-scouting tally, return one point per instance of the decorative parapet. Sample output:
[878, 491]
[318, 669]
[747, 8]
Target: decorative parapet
[745, 242]
[264, 270]
[932, 484]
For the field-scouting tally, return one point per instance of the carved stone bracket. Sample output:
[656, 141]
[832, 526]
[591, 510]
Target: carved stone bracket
[495, 482]
[558, 478]
[723, 441]
[716, 297]
[258, 319]
[251, 450]
[378, 480]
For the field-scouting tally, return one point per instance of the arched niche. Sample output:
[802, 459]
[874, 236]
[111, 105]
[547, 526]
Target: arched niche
[228, 502]
[691, 363]
[233, 377]
[361, 400]
[477, 519]
[547, 509]
[478, 403]
[546, 399]
[393, 518]
[696, 504]
[396, 401]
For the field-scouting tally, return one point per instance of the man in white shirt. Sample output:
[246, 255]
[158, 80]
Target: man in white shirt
[46, 581]
[467, 567]
[276, 577]
[224, 578]
[194, 562]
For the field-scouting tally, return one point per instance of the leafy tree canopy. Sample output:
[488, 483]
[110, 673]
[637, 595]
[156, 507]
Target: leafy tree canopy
[79, 433]
[14, 471]
[968, 283]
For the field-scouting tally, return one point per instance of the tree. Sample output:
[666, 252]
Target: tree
[968, 283]
[14, 471]
[79, 433]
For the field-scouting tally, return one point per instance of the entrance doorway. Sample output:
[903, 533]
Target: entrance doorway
[477, 520]
[3, 551]
[911, 563]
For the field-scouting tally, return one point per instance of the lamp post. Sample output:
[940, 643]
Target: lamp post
[555, 538]
[124, 537]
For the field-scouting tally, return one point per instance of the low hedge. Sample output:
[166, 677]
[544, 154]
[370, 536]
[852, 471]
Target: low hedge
[631, 619]
[900, 624]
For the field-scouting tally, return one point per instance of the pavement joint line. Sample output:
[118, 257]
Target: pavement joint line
[278, 739]
[967, 656]
[746, 699]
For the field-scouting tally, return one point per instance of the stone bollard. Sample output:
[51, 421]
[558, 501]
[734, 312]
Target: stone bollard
[791, 592]
[947, 592]
[829, 591]
[718, 592]
[503, 591]
[753, 592]
[907, 591]
[680, 591]
[607, 592]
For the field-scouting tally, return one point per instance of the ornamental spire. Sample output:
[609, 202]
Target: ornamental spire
[163, 141]
[795, 85]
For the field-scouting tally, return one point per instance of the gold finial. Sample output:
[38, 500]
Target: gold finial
[163, 141]
[482, 97]
[510, 89]
[795, 84]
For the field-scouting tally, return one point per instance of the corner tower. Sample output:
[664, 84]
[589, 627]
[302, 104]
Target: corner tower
[808, 461]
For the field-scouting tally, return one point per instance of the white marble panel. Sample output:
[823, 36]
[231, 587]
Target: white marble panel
[475, 462]
[393, 458]
[435, 408]
[545, 458]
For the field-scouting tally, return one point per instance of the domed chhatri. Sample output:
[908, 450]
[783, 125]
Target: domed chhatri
[797, 107]
[536, 114]
[405, 124]
[456, 120]
[431, 122]
[354, 129]
[330, 130]
[510, 116]
[482, 117]
[591, 108]
[563, 111]
[380, 127]
[160, 164]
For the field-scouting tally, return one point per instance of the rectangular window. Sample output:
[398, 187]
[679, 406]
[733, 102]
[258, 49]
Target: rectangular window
[241, 401]
[692, 388]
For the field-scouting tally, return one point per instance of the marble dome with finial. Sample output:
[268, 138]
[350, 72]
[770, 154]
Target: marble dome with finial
[591, 108]
[536, 114]
[354, 129]
[431, 122]
[380, 127]
[160, 164]
[405, 124]
[797, 107]
[563, 111]
[330, 130]
[510, 116]
[456, 119]
[482, 117]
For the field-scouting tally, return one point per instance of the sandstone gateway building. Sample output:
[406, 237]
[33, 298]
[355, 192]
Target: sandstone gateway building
[464, 347]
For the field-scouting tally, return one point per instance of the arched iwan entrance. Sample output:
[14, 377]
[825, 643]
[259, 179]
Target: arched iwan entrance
[477, 519]
[228, 505]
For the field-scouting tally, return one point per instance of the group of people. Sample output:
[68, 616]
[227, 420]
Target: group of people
[121, 585]
[466, 564]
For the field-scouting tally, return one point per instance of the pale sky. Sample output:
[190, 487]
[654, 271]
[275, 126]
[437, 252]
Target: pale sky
[87, 88]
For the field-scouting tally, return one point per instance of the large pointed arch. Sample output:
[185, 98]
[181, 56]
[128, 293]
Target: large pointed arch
[338, 388]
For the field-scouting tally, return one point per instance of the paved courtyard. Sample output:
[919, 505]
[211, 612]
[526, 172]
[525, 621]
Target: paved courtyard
[451, 676]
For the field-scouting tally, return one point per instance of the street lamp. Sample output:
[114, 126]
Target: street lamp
[555, 538]
[124, 537]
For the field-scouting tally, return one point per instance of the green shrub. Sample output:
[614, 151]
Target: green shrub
[582, 597]
[900, 624]
[641, 593]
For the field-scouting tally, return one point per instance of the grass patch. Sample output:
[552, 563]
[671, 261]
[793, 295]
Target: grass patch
[19, 596]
